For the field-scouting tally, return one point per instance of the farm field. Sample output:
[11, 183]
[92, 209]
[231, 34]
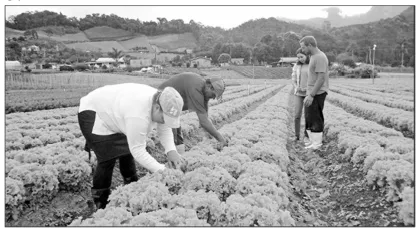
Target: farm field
[25, 93]
[262, 72]
[362, 176]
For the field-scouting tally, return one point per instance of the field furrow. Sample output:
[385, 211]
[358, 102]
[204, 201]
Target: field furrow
[398, 119]
[362, 89]
[390, 102]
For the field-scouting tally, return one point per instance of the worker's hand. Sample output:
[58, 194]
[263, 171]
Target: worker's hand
[308, 100]
[221, 143]
[175, 160]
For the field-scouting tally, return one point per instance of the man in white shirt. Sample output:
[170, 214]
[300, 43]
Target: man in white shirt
[115, 120]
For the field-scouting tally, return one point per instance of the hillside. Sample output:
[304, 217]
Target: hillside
[374, 14]
[173, 41]
[388, 34]
[252, 31]
[104, 33]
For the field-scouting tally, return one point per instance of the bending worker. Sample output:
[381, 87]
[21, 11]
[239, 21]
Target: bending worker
[115, 120]
[196, 92]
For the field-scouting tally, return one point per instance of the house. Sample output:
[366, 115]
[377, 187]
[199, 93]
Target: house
[34, 48]
[105, 61]
[189, 51]
[286, 61]
[237, 61]
[201, 62]
[140, 62]
[13, 65]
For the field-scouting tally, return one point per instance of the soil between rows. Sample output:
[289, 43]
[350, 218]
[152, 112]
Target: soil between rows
[328, 190]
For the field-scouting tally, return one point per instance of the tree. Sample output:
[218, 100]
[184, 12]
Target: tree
[49, 32]
[34, 34]
[115, 54]
[224, 58]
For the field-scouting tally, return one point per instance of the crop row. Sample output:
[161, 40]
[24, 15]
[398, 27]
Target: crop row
[383, 154]
[34, 129]
[259, 72]
[392, 87]
[398, 119]
[20, 161]
[367, 90]
[390, 102]
[243, 185]
[31, 100]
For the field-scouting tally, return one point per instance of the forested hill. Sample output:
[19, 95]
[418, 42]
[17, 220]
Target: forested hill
[263, 39]
[334, 16]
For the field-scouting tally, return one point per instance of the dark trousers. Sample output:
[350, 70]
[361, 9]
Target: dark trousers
[107, 149]
[314, 114]
[177, 136]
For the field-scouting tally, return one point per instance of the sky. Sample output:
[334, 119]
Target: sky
[226, 17]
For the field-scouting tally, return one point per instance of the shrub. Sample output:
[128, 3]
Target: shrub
[349, 62]
[81, 67]
[365, 71]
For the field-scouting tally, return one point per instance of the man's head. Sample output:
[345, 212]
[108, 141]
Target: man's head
[214, 88]
[308, 44]
[167, 108]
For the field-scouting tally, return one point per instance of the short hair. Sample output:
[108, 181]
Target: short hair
[300, 50]
[309, 40]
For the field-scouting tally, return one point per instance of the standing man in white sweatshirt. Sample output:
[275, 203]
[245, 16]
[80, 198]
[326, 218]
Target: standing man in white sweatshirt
[115, 120]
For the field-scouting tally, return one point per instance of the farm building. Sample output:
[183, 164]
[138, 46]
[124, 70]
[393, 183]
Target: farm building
[201, 62]
[33, 48]
[237, 61]
[140, 62]
[287, 60]
[13, 65]
[105, 61]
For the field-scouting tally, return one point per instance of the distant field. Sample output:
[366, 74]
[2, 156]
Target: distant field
[68, 37]
[173, 41]
[103, 46]
[106, 33]
[139, 41]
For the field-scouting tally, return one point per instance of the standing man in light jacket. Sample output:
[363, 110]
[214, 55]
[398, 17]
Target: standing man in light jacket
[196, 92]
[115, 120]
[317, 88]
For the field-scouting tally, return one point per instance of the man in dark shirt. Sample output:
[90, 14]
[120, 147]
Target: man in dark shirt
[196, 92]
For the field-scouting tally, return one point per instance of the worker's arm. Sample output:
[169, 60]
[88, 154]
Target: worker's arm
[207, 125]
[136, 135]
[166, 138]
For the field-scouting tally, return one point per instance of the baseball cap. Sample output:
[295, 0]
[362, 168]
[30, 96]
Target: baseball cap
[219, 86]
[171, 103]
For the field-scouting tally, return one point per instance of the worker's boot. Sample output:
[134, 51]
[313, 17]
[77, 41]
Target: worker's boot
[130, 179]
[100, 197]
[317, 140]
[307, 138]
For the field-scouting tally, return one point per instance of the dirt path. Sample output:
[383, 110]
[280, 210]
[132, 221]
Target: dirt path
[329, 191]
